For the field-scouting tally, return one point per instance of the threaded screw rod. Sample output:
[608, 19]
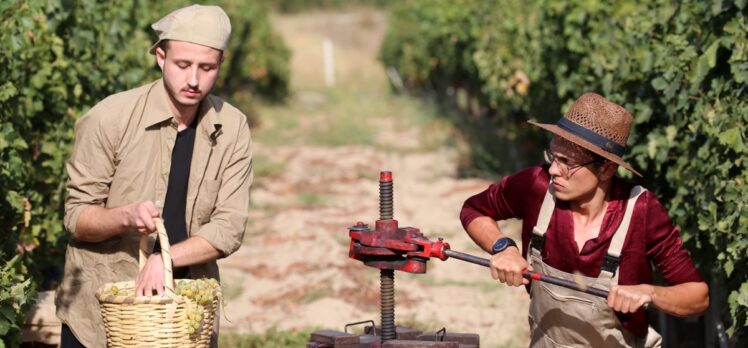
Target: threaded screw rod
[386, 276]
[385, 196]
[387, 294]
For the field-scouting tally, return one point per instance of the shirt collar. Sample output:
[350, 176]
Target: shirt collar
[156, 108]
[157, 111]
[209, 122]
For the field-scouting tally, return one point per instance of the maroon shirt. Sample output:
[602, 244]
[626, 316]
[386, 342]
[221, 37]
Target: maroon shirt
[652, 237]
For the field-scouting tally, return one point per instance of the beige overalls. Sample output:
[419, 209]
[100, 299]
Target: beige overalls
[561, 317]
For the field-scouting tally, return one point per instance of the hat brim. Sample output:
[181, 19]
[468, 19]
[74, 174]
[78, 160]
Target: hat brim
[155, 45]
[585, 144]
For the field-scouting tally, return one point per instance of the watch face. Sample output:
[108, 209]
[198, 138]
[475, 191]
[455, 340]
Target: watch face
[500, 245]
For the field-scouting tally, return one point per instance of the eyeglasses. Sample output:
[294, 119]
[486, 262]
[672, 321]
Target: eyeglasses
[564, 165]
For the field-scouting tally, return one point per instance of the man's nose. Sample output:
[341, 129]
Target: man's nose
[193, 82]
[554, 170]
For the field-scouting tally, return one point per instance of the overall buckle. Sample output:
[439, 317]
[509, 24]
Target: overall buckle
[611, 263]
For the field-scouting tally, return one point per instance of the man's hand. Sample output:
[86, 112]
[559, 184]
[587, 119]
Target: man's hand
[96, 224]
[629, 298]
[508, 265]
[140, 216]
[151, 277]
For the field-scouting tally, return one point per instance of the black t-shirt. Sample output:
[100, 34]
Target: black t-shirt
[176, 192]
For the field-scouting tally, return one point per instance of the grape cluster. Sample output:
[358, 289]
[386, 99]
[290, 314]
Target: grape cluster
[194, 318]
[202, 292]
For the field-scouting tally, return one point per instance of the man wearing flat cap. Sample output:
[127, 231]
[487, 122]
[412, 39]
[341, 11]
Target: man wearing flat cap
[165, 150]
[582, 223]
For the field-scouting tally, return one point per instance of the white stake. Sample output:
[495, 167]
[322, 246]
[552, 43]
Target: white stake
[329, 62]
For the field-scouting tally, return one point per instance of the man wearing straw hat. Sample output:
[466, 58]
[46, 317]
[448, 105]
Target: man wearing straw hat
[167, 149]
[582, 223]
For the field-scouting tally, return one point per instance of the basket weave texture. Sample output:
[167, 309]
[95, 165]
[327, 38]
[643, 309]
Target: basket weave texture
[154, 321]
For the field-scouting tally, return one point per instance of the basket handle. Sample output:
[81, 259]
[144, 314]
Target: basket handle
[165, 255]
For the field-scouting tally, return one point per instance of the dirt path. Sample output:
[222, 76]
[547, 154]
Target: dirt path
[314, 179]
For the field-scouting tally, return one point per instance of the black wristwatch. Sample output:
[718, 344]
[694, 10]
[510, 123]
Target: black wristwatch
[501, 244]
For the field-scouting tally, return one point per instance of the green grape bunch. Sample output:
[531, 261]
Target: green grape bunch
[194, 318]
[202, 292]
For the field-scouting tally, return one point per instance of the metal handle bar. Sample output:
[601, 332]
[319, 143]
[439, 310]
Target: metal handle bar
[530, 275]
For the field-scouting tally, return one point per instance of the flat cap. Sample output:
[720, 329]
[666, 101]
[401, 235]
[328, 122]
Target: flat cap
[202, 25]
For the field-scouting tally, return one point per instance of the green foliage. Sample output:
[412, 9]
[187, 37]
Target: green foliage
[464, 52]
[679, 67]
[431, 42]
[273, 338]
[291, 6]
[257, 57]
[13, 296]
[58, 59]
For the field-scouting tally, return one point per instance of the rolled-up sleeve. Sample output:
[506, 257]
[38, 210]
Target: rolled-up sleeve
[506, 199]
[228, 221]
[490, 203]
[91, 165]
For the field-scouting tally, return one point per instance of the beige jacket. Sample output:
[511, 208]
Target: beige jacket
[122, 155]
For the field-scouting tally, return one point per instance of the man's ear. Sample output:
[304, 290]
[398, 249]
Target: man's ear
[160, 57]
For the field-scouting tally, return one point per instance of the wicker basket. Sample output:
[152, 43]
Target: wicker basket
[154, 321]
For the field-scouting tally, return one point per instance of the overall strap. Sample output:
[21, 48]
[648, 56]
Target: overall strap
[609, 270]
[537, 242]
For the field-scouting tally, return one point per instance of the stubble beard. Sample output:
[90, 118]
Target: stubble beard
[181, 103]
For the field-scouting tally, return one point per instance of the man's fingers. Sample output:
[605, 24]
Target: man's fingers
[637, 303]
[518, 279]
[625, 301]
[506, 277]
[144, 289]
[139, 290]
[509, 277]
[145, 216]
[631, 307]
[159, 285]
[142, 216]
[631, 303]
[138, 285]
[507, 267]
[612, 297]
[151, 208]
[625, 306]
[149, 287]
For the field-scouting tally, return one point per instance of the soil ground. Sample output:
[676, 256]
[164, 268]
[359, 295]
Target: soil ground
[317, 163]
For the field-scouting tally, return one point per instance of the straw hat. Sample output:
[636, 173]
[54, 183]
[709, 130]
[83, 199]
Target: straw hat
[596, 124]
[202, 25]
